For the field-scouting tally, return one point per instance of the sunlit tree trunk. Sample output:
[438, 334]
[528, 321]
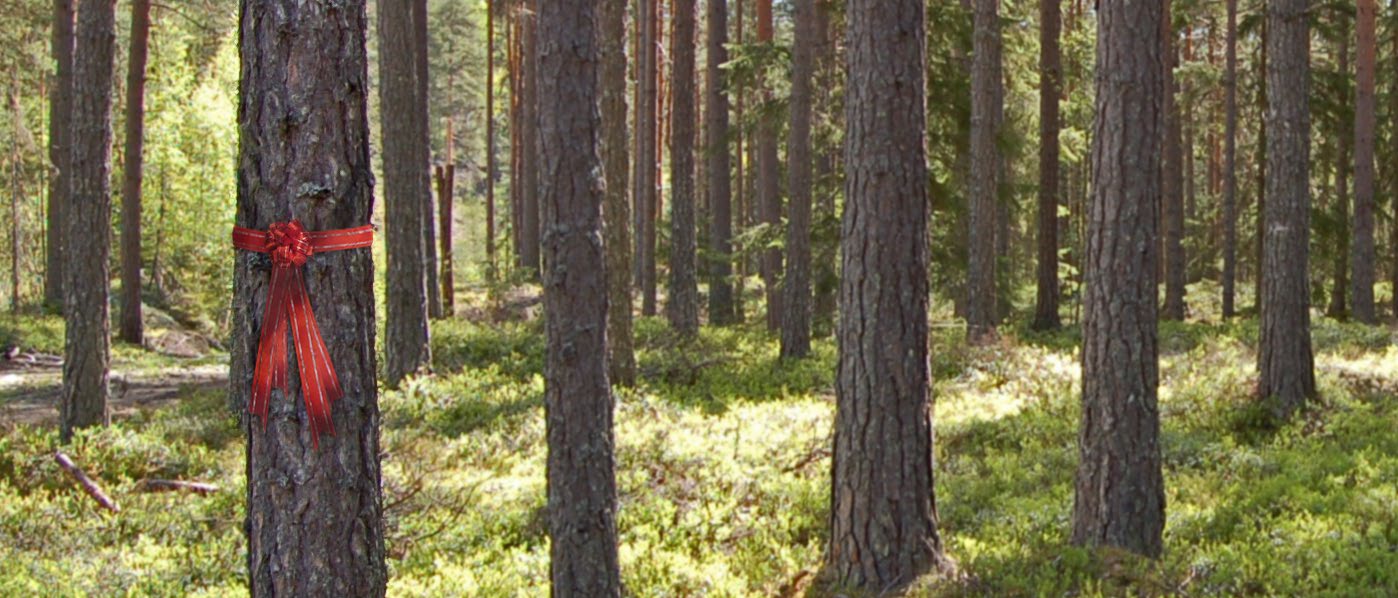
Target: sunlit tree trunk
[1119, 491]
[423, 147]
[621, 358]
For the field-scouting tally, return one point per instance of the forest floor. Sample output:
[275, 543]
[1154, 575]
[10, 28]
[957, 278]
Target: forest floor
[723, 473]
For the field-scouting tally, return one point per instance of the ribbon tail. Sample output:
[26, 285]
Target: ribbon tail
[270, 370]
[319, 385]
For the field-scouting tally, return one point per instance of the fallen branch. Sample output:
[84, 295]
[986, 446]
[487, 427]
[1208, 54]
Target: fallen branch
[177, 486]
[88, 485]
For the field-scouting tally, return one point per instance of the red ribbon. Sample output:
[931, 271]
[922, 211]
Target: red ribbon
[289, 306]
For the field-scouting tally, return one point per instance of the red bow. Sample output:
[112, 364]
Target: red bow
[288, 305]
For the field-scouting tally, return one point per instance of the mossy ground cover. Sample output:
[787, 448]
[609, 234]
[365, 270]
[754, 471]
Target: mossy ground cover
[723, 465]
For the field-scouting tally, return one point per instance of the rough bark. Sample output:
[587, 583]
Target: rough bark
[406, 347]
[1362, 252]
[682, 307]
[1230, 165]
[883, 508]
[769, 200]
[1120, 494]
[422, 144]
[621, 357]
[60, 139]
[582, 497]
[314, 521]
[131, 328]
[529, 138]
[720, 186]
[985, 172]
[646, 159]
[1050, 89]
[796, 288]
[1172, 208]
[87, 351]
[1285, 360]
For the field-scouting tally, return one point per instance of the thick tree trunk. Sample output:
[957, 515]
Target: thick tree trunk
[621, 357]
[60, 140]
[682, 306]
[582, 497]
[1362, 252]
[769, 200]
[1285, 360]
[796, 288]
[1120, 491]
[1230, 165]
[529, 137]
[87, 351]
[314, 520]
[405, 182]
[1172, 206]
[422, 144]
[720, 187]
[131, 328]
[985, 173]
[883, 508]
[1050, 88]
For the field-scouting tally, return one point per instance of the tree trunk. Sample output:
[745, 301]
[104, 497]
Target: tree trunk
[742, 204]
[682, 306]
[621, 357]
[883, 508]
[513, 42]
[16, 195]
[826, 280]
[1338, 299]
[1050, 88]
[1285, 360]
[87, 350]
[529, 137]
[131, 328]
[1120, 491]
[60, 150]
[721, 305]
[582, 496]
[314, 521]
[446, 186]
[1230, 165]
[1262, 186]
[1171, 196]
[647, 134]
[796, 288]
[1362, 251]
[491, 266]
[405, 182]
[422, 143]
[985, 173]
[769, 200]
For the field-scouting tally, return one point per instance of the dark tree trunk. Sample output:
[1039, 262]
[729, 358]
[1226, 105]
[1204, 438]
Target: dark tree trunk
[422, 144]
[60, 139]
[582, 497]
[796, 288]
[1120, 491]
[720, 187]
[1230, 165]
[131, 329]
[1050, 88]
[1362, 252]
[683, 301]
[647, 134]
[1262, 186]
[87, 351]
[1172, 206]
[621, 357]
[446, 185]
[769, 200]
[883, 514]
[405, 182]
[985, 172]
[1285, 360]
[314, 521]
[529, 137]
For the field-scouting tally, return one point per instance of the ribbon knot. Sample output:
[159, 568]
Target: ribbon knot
[289, 310]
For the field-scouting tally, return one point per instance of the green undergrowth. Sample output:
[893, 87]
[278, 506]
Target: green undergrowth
[723, 464]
